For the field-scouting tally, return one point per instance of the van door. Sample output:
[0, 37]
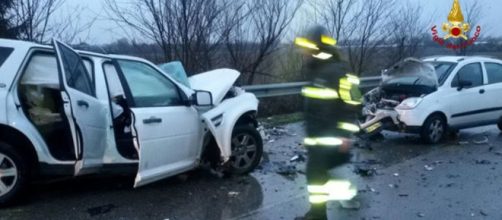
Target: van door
[168, 130]
[85, 113]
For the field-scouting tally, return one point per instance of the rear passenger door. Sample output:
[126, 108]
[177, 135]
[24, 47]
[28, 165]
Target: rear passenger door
[494, 90]
[85, 113]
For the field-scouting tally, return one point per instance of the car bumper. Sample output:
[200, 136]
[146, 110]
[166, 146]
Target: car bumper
[405, 121]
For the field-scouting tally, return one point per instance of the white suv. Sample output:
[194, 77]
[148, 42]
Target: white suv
[434, 94]
[71, 113]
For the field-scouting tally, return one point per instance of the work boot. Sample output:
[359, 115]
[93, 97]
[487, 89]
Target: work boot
[350, 204]
[316, 212]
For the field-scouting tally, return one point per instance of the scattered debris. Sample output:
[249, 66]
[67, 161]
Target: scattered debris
[483, 213]
[364, 171]
[463, 142]
[403, 195]
[351, 204]
[396, 174]
[498, 153]
[429, 167]
[233, 194]
[482, 141]
[99, 210]
[449, 185]
[297, 158]
[420, 215]
[394, 186]
[483, 162]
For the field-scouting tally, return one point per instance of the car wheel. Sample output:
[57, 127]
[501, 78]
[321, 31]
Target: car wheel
[433, 129]
[247, 150]
[13, 175]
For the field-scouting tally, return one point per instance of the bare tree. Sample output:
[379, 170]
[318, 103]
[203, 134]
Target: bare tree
[472, 14]
[335, 15]
[188, 30]
[254, 38]
[368, 32]
[37, 23]
[406, 28]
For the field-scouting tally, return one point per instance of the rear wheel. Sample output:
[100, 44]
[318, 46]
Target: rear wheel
[13, 174]
[433, 129]
[247, 150]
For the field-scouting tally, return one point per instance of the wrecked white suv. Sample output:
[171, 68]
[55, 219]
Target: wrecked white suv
[71, 113]
[432, 95]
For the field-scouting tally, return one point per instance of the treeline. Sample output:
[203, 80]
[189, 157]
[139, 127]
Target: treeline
[252, 36]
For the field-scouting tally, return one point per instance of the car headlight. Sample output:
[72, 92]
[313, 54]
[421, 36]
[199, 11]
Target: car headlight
[409, 103]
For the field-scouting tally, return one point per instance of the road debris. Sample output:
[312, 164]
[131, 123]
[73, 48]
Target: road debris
[364, 171]
[420, 215]
[396, 174]
[394, 186]
[233, 194]
[482, 141]
[99, 210]
[463, 142]
[403, 195]
[483, 213]
[429, 167]
[297, 158]
[483, 162]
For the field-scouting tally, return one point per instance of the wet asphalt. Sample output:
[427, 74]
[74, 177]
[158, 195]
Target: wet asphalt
[457, 179]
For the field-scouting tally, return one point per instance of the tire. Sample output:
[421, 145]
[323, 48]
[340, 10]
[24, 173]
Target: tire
[12, 183]
[247, 150]
[434, 129]
[499, 124]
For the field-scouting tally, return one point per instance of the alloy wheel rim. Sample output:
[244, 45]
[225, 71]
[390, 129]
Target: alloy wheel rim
[435, 130]
[8, 174]
[244, 151]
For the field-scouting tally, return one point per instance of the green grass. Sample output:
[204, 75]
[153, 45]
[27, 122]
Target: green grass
[281, 119]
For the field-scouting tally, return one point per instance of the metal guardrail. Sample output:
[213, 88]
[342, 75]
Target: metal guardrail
[295, 88]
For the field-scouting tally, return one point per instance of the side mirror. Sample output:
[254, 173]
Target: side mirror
[463, 84]
[202, 98]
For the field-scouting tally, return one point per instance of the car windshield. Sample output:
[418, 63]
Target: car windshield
[443, 70]
[4, 54]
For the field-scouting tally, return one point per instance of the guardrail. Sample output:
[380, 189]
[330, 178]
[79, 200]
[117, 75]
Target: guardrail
[295, 88]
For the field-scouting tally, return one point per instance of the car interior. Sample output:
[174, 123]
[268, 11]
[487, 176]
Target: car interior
[42, 103]
[122, 115]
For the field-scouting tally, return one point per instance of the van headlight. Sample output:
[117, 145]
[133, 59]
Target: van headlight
[409, 103]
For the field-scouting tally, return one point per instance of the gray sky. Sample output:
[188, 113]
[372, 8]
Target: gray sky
[105, 31]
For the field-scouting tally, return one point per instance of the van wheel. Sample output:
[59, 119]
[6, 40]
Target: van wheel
[433, 129]
[247, 150]
[13, 175]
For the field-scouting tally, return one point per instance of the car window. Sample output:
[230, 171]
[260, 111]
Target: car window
[42, 71]
[113, 80]
[76, 73]
[443, 70]
[470, 73]
[149, 87]
[494, 71]
[4, 54]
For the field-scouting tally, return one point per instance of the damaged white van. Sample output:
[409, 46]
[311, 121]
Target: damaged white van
[431, 95]
[64, 112]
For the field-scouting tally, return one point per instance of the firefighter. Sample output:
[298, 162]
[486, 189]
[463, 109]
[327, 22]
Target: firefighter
[332, 103]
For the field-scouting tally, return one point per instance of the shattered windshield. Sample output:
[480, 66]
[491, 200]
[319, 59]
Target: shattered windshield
[443, 70]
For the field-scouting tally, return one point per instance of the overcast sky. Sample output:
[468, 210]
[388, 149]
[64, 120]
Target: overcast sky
[105, 31]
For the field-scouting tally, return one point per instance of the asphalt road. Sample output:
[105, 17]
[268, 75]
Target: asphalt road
[458, 179]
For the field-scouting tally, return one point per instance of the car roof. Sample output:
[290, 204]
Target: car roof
[26, 45]
[459, 59]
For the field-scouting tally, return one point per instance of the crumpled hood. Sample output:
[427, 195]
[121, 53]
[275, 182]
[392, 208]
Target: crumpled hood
[411, 71]
[218, 82]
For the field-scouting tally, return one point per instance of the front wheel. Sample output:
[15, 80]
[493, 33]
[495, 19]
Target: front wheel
[433, 129]
[13, 174]
[247, 150]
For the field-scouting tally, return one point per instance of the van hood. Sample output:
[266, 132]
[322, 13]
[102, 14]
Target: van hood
[218, 82]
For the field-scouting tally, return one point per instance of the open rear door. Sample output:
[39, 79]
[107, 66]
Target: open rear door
[85, 113]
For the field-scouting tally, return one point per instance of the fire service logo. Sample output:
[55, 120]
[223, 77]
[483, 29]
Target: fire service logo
[456, 28]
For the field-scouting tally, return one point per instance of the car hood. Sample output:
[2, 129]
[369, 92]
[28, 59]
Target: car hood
[411, 72]
[218, 82]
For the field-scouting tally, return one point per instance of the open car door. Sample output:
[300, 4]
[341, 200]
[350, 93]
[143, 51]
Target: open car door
[85, 113]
